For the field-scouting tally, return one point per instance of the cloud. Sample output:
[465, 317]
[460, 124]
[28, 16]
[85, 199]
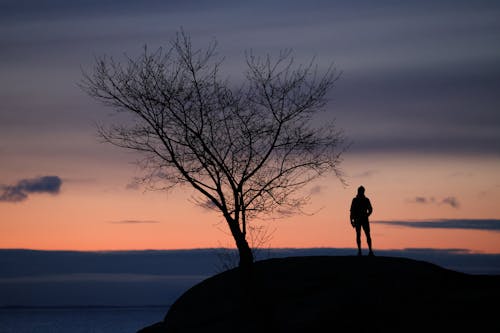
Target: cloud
[422, 200]
[366, 174]
[316, 190]
[451, 201]
[469, 224]
[133, 186]
[20, 191]
[134, 222]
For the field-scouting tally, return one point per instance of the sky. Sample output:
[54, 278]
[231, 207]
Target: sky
[418, 100]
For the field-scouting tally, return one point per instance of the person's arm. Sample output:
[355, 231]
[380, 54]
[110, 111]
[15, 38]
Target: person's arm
[369, 208]
[351, 215]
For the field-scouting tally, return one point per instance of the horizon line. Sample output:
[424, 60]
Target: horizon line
[406, 249]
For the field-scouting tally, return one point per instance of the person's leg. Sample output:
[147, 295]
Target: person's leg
[358, 238]
[366, 229]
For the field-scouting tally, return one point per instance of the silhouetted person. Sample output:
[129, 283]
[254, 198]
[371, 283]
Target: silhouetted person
[361, 208]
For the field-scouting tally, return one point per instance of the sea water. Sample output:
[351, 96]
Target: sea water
[79, 320]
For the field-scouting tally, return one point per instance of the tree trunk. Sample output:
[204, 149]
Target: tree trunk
[244, 251]
[246, 255]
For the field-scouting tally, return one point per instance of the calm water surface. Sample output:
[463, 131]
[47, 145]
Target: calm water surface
[79, 320]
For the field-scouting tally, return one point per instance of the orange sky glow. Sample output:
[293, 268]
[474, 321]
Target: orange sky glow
[111, 217]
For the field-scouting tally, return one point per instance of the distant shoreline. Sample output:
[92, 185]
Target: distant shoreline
[97, 280]
[204, 261]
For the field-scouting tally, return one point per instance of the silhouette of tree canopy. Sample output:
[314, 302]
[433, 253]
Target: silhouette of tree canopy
[248, 150]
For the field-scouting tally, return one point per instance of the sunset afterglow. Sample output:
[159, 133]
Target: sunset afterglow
[418, 99]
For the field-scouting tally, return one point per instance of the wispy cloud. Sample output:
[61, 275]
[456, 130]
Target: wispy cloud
[134, 222]
[450, 201]
[366, 174]
[132, 186]
[20, 191]
[422, 200]
[316, 190]
[475, 224]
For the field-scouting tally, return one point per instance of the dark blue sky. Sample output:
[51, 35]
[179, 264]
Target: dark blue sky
[423, 75]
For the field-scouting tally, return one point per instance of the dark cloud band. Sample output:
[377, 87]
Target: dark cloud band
[474, 224]
[20, 191]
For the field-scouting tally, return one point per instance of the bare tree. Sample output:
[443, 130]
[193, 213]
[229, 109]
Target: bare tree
[247, 151]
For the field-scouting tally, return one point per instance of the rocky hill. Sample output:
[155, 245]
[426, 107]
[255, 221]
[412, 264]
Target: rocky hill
[338, 294]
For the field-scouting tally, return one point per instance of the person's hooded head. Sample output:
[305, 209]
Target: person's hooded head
[361, 191]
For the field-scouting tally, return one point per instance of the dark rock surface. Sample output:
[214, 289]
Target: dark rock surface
[338, 294]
